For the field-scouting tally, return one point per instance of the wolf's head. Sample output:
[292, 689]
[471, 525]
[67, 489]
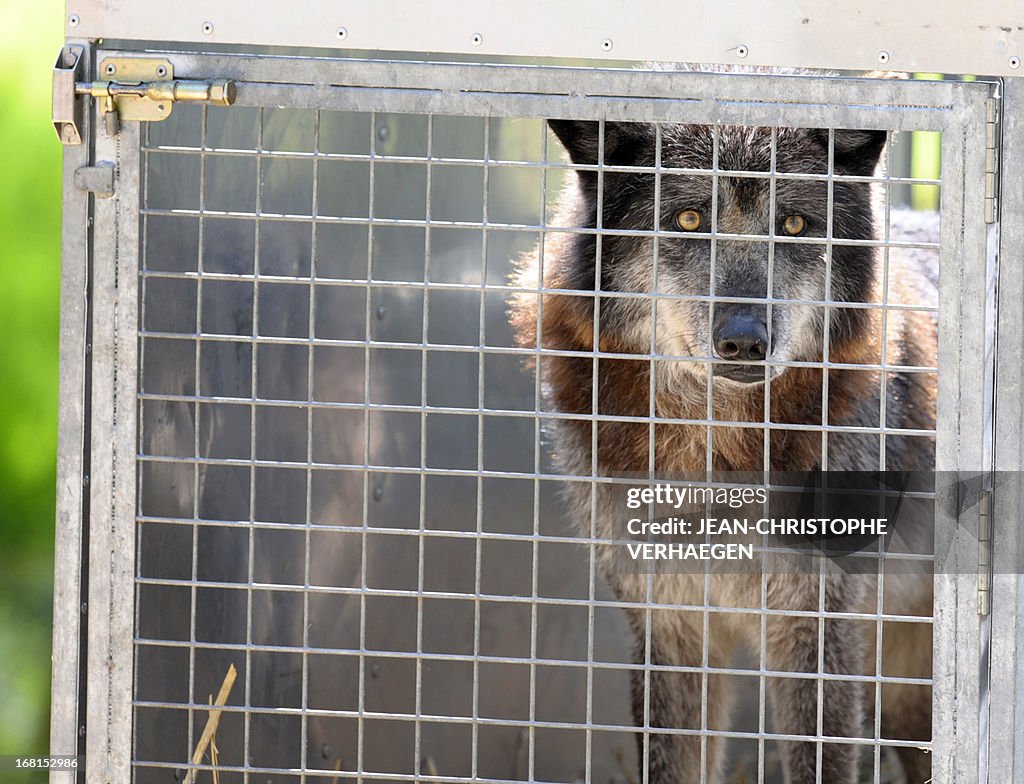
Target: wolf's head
[737, 239]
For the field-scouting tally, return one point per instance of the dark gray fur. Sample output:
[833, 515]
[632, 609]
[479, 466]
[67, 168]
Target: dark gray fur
[682, 329]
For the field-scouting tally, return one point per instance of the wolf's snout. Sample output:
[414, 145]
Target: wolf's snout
[740, 334]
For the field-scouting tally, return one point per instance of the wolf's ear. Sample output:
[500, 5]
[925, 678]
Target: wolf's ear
[624, 143]
[856, 152]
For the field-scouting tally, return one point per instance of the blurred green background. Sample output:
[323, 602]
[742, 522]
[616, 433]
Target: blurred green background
[29, 289]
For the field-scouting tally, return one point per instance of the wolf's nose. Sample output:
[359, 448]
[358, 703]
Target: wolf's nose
[742, 337]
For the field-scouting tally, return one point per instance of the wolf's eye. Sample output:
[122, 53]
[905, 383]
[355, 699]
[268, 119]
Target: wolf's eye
[688, 220]
[794, 225]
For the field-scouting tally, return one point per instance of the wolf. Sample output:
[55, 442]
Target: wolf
[683, 343]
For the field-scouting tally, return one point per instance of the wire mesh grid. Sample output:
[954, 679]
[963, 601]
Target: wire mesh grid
[346, 485]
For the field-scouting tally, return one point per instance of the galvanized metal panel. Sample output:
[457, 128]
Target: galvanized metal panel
[917, 35]
[960, 447]
[530, 91]
[112, 488]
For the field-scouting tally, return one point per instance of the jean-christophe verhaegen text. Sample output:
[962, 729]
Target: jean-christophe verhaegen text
[722, 513]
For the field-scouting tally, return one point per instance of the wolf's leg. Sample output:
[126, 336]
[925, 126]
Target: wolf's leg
[793, 646]
[672, 700]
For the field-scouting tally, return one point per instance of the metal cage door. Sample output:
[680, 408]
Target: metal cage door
[345, 226]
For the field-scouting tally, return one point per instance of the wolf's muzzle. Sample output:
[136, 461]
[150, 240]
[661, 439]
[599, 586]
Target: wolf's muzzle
[740, 334]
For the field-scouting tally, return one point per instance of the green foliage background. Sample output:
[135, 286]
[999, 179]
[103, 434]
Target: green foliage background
[29, 291]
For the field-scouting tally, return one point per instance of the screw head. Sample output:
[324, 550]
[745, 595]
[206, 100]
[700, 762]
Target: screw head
[207, 28]
[342, 33]
[883, 57]
[73, 20]
[1015, 62]
[607, 44]
[742, 51]
[110, 69]
[476, 39]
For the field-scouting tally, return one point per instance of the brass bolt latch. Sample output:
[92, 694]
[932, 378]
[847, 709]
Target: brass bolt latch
[135, 89]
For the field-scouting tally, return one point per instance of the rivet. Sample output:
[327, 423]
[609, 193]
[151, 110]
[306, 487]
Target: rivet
[1015, 62]
[607, 44]
[374, 670]
[342, 33]
[378, 493]
[207, 28]
[742, 51]
[381, 312]
[81, 730]
[383, 133]
[477, 39]
[73, 20]
[883, 57]
[325, 751]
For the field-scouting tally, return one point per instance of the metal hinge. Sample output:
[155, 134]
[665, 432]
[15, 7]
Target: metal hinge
[138, 89]
[991, 159]
[985, 552]
[67, 112]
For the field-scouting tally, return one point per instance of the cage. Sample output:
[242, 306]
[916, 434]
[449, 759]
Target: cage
[346, 479]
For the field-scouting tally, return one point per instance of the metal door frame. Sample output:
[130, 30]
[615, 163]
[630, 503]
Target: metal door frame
[72, 522]
[100, 263]
[1004, 629]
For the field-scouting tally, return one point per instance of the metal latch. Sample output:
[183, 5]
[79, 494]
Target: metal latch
[985, 553]
[137, 89]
